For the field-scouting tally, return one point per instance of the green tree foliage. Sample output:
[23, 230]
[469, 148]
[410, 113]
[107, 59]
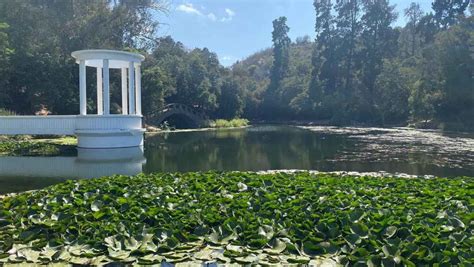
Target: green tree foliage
[365, 70]
[43, 34]
[378, 42]
[449, 12]
[414, 14]
[281, 61]
[391, 93]
[454, 49]
[323, 58]
[173, 74]
[5, 54]
[359, 69]
[230, 100]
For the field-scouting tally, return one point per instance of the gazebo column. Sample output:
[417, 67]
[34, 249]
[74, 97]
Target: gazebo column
[106, 87]
[131, 88]
[82, 88]
[138, 90]
[100, 93]
[124, 92]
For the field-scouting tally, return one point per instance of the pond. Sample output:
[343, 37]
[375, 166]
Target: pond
[264, 147]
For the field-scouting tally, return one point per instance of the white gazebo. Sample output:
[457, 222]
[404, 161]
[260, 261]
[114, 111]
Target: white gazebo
[103, 61]
[101, 130]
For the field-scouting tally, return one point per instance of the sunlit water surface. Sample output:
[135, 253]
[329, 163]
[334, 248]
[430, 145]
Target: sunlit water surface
[394, 150]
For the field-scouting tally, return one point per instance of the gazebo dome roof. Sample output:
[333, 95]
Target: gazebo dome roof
[117, 59]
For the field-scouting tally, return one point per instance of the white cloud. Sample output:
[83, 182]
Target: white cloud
[211, 16]
[230, 12]
[229, 15]
[189, 8]
[199, 11]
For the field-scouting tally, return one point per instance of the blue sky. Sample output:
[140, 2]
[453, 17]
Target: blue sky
[234, 29]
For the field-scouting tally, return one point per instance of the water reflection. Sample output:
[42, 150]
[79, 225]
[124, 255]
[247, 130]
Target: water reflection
[254, 149]
[281, 147]
[24, 173]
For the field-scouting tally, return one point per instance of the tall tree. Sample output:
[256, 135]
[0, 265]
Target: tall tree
[349, 29]
[281, 61]
[414, 14]
[448, 12]
[454, 48]
[5, 54]
[378, 42]
[323, 59]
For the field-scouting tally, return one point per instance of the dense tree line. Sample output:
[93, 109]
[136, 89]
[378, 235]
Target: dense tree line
[38, 36]
[359, 69]
[364, 70]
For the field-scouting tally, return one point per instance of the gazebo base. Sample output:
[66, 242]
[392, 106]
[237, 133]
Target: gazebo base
[109, 138]
[92, 131]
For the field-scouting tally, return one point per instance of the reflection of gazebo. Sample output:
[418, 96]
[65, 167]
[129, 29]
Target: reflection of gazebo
[103, 61]
[101, 130]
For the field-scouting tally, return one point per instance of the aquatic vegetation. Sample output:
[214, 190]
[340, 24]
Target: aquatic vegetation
[244, 218]
[443, 149]
[229, 123]
[6, 112]
[38, 147]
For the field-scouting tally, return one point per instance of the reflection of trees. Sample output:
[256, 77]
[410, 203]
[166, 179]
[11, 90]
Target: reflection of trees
[239, 149]
[270, 147]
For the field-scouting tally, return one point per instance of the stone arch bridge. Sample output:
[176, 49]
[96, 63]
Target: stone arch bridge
[158, 117]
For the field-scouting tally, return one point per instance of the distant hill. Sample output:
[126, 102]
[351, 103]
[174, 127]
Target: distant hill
[257, 66]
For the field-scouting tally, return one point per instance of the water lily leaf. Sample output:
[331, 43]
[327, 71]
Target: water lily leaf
[151, 258]
[329, 247]
[360, 229]
[47, 253]
[26, 236]
[147, 244]
[15, 259]
[277, 246]
[389, 250]
[62, 255]
[323, 262]
[266, 231]
[118, 254]
[352, 240]
[242, 186]
[218, 238]
[98, 214]
[96, 205]
[390, 231]
[131, 244]
[312, 249]
[457, 223]
[298, 259]
[79, 261]
[177, 257]
[204, 254]
[374, 261]
[252, 258]
[98, 261]
[29, 254]
[81, 250]
[356, 215]
[113, 243]
[233, 248]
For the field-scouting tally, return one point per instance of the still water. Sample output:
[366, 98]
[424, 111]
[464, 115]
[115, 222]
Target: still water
[394, 150]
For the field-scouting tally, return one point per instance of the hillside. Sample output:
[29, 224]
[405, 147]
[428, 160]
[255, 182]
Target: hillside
[258, 65]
